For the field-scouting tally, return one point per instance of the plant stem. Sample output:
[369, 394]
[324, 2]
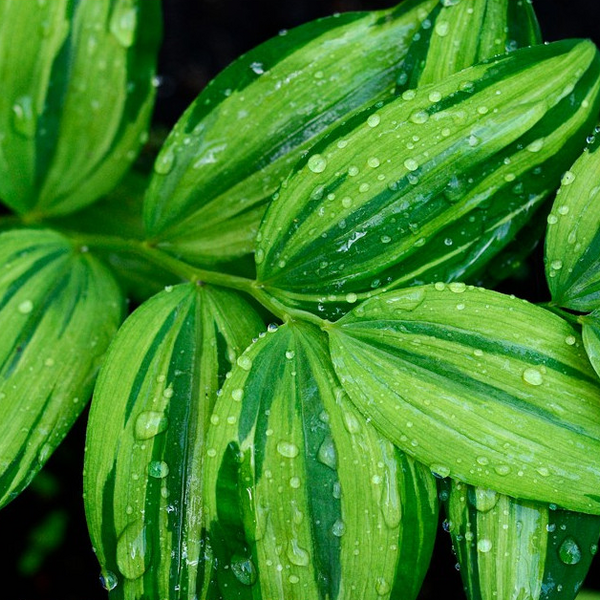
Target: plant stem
[194, 274]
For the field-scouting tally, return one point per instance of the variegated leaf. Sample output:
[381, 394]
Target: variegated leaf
[445, 44]
[78, 95]
[304, 499]
[146, 434]
[514, 549]
[231, 149]
[59, 309]
[573, 237]
[432, 185]
[484, 387]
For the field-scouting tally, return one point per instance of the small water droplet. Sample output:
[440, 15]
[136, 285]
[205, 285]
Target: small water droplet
[568, 178]
[123, 22]
[569, 551]
[441, 470]
[373, 162]
[338, 528]
[244, 362]
[536, 146]
[382, 587]
[258, 68]
[484, 545]
[158, 469]
[23, 116]
[351, 298]
[435, 96]
[502, 470]
[411, 164]
[109, 580]
[327, 454]
[243, 569]
[165, 161]
[149, 424]
[25, 307]
[570, 340]
[533, 376]
[287, 449]
[552, 219]
[419, 117]
[317, 163]
[296, 555]
[442, 28]
[373, 120]
[295, 482]
[458, 287]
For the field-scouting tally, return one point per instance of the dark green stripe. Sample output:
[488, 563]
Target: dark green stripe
[523, 26]
[325, 510]
[445, 374]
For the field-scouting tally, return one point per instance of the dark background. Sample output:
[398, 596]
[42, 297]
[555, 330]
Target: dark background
[46, 554]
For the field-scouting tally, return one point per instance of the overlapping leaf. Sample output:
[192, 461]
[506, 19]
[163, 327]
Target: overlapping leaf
[59, 308]
[230, 151]
[516, 549]
[304, 498]
[445, 44]
[431, 185]
[483, 387]
[573, 237]
[146, 435]
[78, 94]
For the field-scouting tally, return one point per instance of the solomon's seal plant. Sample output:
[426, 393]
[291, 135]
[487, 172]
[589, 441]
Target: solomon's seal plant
[316, 368]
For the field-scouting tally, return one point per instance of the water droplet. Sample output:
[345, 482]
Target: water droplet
[258, 68]
[441, 470]
[442, 28]
[287, 449]
[338, 528]
[25, 307]
[165, 161]
[373, 120]
[502, 470]
[293, 579]
[536, 146]
[123, 23]
[133, 552]
[24, 118]
[158, 469]
[317, 163]
[533, 376]
[108, 580]
[149, 424]
[382, 587]
[457, 287]
[556, 265]
[563, 210]
[327, 454]
[569, 551]
[483, 460]
[351, 298]
[373, 162]
[568, 178]
[483, 500]
[244, 362]
[419, 117]
[243, 569]
[473, 140]
[435, 96]
[570, 340]
[411, 164]
[484, 545]
[272, 327]
[296, 555]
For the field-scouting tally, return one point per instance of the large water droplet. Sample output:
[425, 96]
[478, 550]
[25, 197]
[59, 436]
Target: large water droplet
[132, 551]
[244, 362]
[569, 551]
[296, 555]
[24, 118]
[327, 454]
[108, 580]
[149, 424]
[533, 376]
[123, 22]
[288, 449]
[244, 570]
[158, 469]
[317, 163]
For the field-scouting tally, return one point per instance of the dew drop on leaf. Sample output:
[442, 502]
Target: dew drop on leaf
[149, 424]
[569, 551]
[243, 569]
[532, 376]
[108, 580]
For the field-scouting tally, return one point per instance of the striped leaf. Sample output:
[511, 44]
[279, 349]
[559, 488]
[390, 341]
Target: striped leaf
[480, 386]
[445, 44]
[230, 151]
[514, 549]
[78, 96]
[59, 308]
[573, 237]
[431, 185]
[304, 499]
[146, 435]
[591, 338]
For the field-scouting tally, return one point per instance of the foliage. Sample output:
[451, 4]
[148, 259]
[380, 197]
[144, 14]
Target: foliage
[315, 366]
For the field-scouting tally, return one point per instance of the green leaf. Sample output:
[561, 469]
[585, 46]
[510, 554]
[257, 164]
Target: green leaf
[59, 309]
[480, 386]
[549, 551]
[77, 98]
[591, 338]
[230, 151]
[573, 237]
[432, 185]
[146, 435]
[445, 43]
[304, 499]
